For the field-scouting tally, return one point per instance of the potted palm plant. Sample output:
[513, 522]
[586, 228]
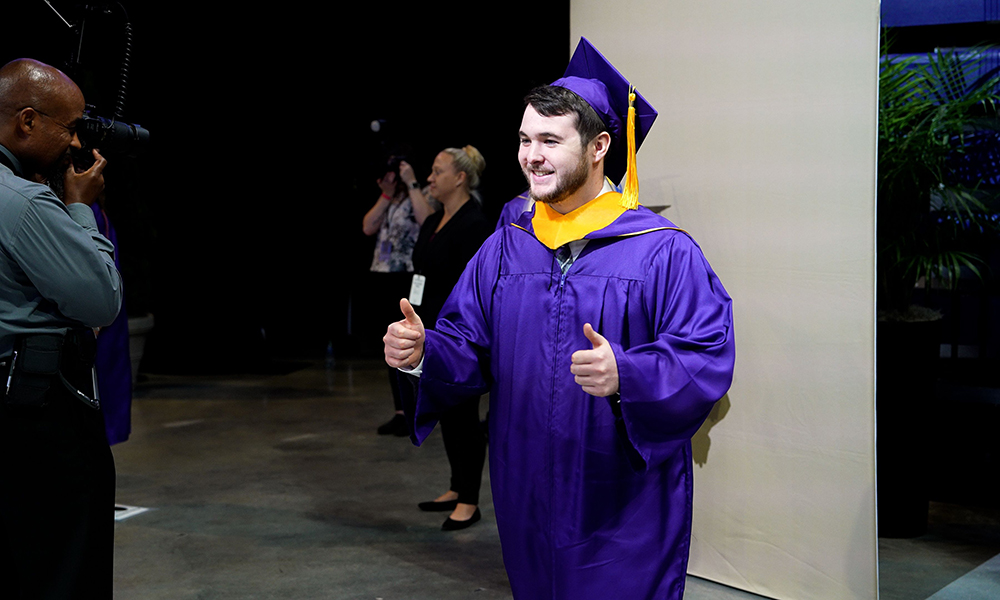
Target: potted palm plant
[932, 111]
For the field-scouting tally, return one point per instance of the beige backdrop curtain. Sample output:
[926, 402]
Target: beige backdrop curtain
[765, 151]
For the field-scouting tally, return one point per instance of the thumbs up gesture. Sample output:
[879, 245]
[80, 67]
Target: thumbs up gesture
[404, 340]
[596, 370]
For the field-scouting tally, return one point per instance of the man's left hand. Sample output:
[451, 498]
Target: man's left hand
[596, 370]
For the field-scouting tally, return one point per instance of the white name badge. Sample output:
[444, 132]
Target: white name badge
[417, 289]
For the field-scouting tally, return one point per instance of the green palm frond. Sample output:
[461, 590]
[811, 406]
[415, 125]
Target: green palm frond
[928, 115]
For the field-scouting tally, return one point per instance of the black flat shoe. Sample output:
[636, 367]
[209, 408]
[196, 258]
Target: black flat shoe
[438, 506]
[395, 426]
[452, 525]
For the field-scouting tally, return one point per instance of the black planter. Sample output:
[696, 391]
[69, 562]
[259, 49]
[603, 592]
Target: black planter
[907, 355]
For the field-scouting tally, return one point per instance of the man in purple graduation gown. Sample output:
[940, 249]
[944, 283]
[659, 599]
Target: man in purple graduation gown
[604, 338]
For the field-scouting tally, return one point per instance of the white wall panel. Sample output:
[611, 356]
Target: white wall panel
[765, 151]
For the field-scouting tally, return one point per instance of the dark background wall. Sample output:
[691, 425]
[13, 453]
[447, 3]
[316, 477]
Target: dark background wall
[240, 227]
[962, 408]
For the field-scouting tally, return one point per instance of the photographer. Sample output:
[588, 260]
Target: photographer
[396, 218]
[57, 283]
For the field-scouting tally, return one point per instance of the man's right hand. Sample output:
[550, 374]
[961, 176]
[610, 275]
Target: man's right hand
[404, 341]
[85, 186]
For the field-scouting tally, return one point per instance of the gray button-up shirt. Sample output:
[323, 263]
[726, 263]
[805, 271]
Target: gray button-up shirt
[56, 270]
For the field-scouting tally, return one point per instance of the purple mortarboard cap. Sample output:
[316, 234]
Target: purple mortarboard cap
[597, 81]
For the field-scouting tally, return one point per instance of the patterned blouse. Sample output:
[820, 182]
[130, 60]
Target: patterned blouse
[396, 236]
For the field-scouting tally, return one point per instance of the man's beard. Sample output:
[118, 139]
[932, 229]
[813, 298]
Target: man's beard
[55, 176]
[569, 183]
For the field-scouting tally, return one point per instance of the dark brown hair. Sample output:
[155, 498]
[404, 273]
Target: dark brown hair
[554, 101]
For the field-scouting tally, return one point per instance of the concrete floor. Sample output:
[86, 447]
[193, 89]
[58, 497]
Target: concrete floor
[277, 487]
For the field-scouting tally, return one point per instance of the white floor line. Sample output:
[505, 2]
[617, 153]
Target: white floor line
[123, 511]
[182, 423]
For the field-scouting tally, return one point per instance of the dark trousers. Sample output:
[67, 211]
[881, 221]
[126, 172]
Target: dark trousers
[57, 493]
[397, 401]
[465, 445]
[378, 308]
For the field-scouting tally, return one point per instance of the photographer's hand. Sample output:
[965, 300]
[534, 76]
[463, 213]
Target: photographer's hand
[406, 174]
[388, 185]
[422, 208]
[85, 186]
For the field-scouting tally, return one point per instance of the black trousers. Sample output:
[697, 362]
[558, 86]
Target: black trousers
[465, 446]
[57, 494]
[397, 401]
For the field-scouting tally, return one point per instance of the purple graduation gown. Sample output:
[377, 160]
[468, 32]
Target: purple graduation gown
[592, 498]
[513, 209]
[113, 363]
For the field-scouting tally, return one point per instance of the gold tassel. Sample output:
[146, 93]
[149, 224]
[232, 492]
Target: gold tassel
[630, 191]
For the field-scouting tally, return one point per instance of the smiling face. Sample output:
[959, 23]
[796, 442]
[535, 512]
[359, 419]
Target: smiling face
[50, 130]
[553, 158]
[58, 131]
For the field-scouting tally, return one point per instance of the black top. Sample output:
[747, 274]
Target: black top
[442, 256]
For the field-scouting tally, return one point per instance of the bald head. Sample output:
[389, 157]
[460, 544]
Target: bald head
[27, 82]
[39, 108]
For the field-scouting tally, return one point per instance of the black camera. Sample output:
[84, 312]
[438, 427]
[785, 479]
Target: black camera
[393, 164]
[110, 137]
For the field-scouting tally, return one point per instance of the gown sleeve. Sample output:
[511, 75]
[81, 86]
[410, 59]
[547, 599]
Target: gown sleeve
[456, 351]
[669, 385]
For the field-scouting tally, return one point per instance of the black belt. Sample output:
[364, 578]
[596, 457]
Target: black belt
[42, 362]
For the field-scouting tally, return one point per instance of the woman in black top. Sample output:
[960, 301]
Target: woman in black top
[448, 239]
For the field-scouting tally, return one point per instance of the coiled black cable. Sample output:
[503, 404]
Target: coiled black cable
[126, 63]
